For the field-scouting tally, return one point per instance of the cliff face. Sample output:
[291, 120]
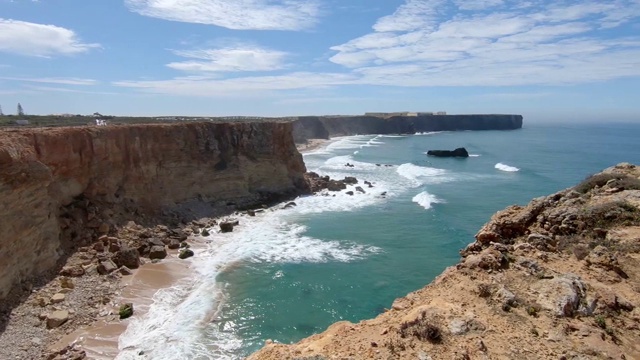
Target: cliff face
[556, 279]
[142, 167]
[310, 127]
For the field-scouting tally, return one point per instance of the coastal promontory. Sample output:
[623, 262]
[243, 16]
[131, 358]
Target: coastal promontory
[558, 278]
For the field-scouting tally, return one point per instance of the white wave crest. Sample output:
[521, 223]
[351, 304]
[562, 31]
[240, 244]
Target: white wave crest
[425, 200]
[507, 168]
[474, 155]
[428, 133]
[421, 175]
[172, 328]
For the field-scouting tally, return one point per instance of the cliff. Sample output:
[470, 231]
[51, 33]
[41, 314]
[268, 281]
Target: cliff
[316, 127]
[62, 187]
[558, 278]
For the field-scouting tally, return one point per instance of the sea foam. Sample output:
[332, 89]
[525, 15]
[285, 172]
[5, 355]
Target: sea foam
[507, 168]
[425, 200]
[420, 175]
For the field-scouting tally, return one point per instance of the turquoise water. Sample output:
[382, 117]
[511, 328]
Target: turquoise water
[288, 274]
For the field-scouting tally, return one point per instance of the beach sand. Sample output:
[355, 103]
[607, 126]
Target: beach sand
[311, 145]
[100, 340]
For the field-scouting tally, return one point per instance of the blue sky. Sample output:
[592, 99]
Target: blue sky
[547, 60]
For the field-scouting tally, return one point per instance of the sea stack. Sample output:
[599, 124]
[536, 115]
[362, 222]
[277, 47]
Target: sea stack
[459, 152]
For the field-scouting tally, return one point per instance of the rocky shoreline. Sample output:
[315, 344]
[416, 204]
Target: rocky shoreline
[45, 319]
[558, 278]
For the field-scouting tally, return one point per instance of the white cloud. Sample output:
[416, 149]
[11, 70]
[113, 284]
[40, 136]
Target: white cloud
[414, 14]
[208, 87]
[234, 14]
[31, 39]
[236, 58]
[62, 81]
[433, 43]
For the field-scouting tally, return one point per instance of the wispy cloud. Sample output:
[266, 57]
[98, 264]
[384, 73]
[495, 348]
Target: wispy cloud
[448, 43]
[31, 39]
[66, 90]
[236, 14]
[241, 57]
[62, 81]
[495, 43]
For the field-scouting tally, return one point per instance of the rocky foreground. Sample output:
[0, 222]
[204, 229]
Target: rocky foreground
[556, 279]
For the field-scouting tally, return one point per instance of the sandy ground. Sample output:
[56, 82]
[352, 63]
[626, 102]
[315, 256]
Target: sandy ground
[311, 145]
[100, 340]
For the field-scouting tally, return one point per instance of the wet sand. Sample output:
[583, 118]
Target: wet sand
[100, 340]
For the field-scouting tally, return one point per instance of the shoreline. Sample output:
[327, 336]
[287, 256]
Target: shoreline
[100, 340]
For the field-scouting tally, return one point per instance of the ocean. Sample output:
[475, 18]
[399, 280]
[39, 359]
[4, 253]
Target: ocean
[289, 273]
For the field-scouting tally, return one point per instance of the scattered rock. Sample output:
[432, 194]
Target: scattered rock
[72, 271]
[350, 180]
[57, 298]
[157, 252]
[57, 318]
[106, 267]
[174, 244]
[361, 190]
[205, 232]
[128, 257]
[126, 311]
[125, 270]
[185, 253]
[350, 193]
[226, 226]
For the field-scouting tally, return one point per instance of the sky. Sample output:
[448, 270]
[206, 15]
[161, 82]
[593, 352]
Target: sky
[547, 60]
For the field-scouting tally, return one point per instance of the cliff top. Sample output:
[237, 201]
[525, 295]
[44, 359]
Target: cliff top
[558, 278]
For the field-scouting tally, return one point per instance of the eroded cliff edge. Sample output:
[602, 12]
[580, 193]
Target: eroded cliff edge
[558, 278]
[324, 127]
[54, 181]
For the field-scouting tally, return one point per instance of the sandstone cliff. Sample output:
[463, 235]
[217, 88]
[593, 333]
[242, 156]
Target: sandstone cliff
[54, 181]
[556, 279]
[323, 127]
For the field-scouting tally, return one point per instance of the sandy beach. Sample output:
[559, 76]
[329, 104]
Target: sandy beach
[100, 339]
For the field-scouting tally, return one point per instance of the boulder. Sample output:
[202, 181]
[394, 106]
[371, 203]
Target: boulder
[157, 252]
[359, 189]
[57, 318]
[185, 253]
[562, 295]
[174, 244]
[226, 226]
[127, 257]
[350, 180]
[72, 271]
[106, 267]
[126, 311]
[57, 298]
[334, 185]
[459, 152]
[350, 193]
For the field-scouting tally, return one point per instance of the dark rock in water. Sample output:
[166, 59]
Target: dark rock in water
[459, 152]
[359, 189]
[185, 253]
[227, 226]
[291, 204]
[334, 185]
[349, 193]
[205, 232]
[251, 213]
[174, 244]
[350, 180]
